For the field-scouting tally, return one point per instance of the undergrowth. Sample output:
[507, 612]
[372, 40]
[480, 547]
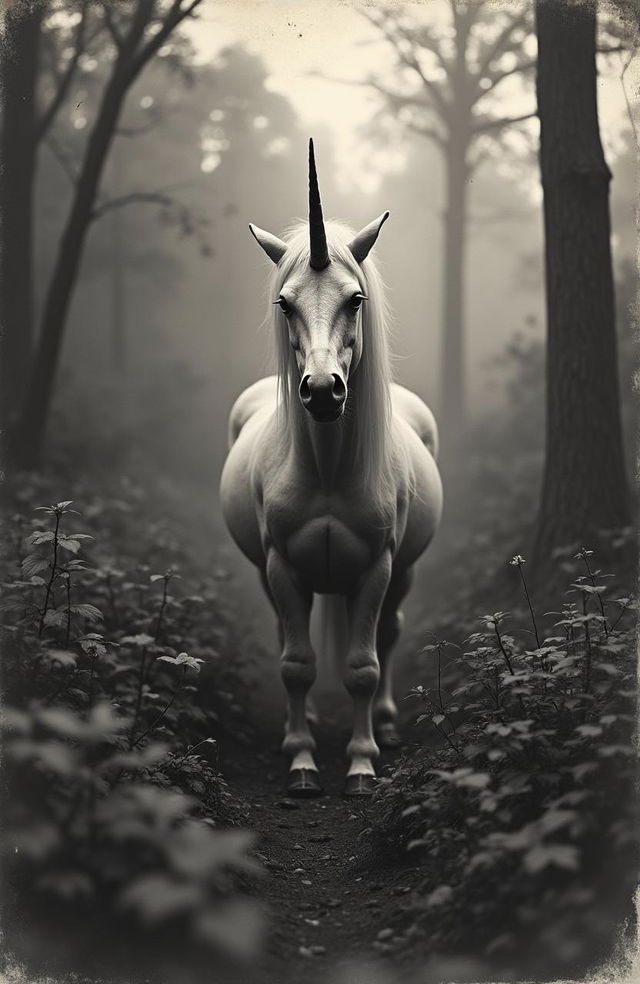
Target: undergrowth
[518, 803]
[124, 851]
[123, 847]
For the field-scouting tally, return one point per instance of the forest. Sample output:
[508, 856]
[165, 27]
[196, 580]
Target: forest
[147, 832]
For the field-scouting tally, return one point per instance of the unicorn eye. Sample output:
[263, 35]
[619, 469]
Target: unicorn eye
[356, 300]
[285, 307]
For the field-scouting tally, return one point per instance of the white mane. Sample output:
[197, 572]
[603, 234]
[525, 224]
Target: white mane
[369, 402]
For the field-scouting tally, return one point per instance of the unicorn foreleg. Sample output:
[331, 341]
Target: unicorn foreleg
[298, 668]
[311, 709]
[385, 712]
[362, 674]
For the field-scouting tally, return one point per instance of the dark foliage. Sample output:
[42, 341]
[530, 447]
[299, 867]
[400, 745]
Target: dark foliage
[123, 845]
[519, 804]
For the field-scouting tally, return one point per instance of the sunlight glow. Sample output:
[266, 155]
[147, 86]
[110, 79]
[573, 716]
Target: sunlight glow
[210, 163]
[304, 46]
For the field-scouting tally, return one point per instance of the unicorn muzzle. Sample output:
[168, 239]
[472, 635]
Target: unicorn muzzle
[324, 395]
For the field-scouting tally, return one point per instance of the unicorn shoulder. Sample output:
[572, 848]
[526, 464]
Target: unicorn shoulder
[417, 414]
[261, 395]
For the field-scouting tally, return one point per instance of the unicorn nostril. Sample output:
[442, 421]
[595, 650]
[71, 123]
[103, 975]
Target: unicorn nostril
[339, 391]
[305, 390]
[323, 393]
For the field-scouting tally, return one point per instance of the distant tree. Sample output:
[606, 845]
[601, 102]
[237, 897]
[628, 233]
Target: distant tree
[44, 43]
[585, 485]
[137, 31]
[199, 132]
[18, 149]
[447, 76]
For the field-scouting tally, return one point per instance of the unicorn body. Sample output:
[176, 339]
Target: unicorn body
[331, 485]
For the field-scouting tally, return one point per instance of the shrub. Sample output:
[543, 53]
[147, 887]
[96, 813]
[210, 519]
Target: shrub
[519, 804]
[118, 822]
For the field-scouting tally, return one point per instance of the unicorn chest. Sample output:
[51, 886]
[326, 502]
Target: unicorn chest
[330, 543]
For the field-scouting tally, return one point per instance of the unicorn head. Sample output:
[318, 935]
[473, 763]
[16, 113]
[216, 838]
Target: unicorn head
[321, 293]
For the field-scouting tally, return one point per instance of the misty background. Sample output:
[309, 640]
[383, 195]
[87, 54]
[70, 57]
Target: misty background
[143, 709]
[165, 328]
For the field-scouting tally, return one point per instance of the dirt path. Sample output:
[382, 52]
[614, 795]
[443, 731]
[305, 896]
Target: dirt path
[329, 905]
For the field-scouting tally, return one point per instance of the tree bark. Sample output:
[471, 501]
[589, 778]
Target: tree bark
[118, 272]
[18, 149]
[584, 485]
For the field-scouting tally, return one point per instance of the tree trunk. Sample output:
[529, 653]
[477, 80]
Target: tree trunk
[453, 383]
[18, 149]
[118, 285]
[30, 434]
[584, 486]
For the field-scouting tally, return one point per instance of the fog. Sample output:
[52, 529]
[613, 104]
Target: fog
[166, 325]
[146, 833]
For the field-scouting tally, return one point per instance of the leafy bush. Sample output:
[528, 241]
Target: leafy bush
[519, 805]
[118, 821]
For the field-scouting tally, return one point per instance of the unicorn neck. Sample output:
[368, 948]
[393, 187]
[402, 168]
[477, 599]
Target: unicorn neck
[329, 448]
[330, 444]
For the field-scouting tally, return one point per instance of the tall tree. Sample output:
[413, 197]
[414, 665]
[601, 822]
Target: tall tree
[584, 486]
[33, 50]
[18, 143]
[447, 75]
[137, 31]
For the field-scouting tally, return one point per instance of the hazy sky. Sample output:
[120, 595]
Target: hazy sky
[333, 38]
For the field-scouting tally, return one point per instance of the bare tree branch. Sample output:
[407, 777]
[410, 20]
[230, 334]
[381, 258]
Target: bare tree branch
[477, 157]
[117, 38]
[65, 79]
[411, 61]
[501, 42]
[429, 132]
[430, 43]
[396, 99]
[62, 158]
[131, 58]
[495, 78]
[464, 19]
[623, 83]
[491, 124]
[133, 197]
[612, 49]
[175, 15]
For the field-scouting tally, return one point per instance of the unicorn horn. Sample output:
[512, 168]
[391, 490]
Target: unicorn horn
[319, 257]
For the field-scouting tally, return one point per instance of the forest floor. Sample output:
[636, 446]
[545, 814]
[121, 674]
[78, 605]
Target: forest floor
[419, 909]
[332, 910]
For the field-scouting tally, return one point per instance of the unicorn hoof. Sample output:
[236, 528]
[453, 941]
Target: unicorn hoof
[387, 736]
[304, 783]
[359, 784]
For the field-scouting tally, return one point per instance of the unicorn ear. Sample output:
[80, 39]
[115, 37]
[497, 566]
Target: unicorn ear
[365, 240]
[274, 248]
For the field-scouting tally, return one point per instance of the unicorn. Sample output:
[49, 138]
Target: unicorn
[331, 486]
